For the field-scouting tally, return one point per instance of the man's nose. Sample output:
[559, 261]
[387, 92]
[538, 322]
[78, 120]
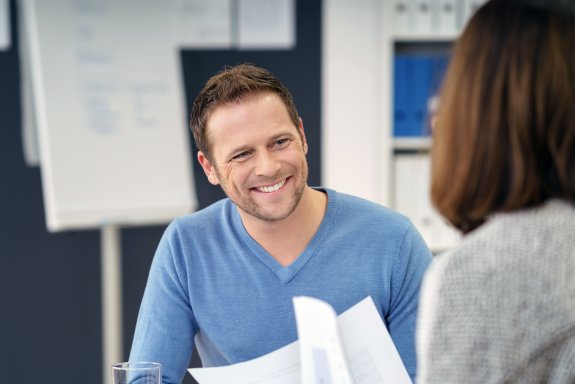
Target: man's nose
[266, 164]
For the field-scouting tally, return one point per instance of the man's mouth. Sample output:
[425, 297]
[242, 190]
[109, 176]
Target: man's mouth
[271, 188]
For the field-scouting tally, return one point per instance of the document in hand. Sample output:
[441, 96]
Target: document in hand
[354, 347]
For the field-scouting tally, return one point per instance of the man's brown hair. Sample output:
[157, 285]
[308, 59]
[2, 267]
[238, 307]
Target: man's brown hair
[233, 85]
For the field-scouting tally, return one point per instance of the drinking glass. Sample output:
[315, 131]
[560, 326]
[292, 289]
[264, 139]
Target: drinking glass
[137, 372]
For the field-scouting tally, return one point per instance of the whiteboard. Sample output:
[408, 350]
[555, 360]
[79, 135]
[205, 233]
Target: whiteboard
[108, 98]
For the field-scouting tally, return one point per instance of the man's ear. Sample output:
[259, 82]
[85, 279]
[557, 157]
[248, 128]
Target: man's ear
[208, 168]
[302, 134]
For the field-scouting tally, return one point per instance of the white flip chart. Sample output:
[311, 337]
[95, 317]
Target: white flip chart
[108, 107]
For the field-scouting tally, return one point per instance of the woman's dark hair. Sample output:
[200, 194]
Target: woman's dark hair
[504, 137]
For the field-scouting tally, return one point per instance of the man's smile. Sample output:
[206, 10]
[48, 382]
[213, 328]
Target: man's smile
[271, 188]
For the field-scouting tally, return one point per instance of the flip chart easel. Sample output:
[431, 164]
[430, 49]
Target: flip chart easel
[111, 125]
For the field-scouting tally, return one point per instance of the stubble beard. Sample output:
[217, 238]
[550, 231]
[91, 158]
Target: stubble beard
[249, 206]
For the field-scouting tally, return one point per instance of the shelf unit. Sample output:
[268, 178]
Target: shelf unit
[360, 155]
[408, 176]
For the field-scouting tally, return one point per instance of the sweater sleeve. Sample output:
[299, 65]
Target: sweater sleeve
[166, 325]
[458, 338]
[410, 264]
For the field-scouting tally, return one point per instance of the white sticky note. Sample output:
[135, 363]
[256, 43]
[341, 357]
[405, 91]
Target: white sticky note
[4, 25]
[266, 24]
[202, 24]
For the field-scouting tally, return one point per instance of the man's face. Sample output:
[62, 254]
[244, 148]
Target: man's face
[258, 157]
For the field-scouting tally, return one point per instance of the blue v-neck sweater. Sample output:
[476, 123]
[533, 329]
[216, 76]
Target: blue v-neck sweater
[212, 283]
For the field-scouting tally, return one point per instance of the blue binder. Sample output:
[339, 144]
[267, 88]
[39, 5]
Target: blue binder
[401, 76]
[422, 76]
[417, 78]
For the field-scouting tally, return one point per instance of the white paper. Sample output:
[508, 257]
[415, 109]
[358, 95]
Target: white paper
[370, 353]
[203, 24]
[321, 353]
[281, 366]
[266, 24]
[4, 25]
[28, 118]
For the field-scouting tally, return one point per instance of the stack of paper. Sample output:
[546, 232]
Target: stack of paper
[354, 347]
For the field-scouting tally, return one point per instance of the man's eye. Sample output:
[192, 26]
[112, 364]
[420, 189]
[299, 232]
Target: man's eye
[240, 156]
[281, 142]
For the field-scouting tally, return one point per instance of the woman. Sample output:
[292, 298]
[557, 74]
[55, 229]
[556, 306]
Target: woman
[500, 308]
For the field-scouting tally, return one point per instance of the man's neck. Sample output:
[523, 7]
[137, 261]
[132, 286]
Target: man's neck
[286, 239]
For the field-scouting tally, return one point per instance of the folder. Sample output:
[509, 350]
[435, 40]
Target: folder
[401, 79]
[423, 16]
[422, 78]
[411, 190]
[439, 66]
[447, 17]
[417, 80]
[402, 16]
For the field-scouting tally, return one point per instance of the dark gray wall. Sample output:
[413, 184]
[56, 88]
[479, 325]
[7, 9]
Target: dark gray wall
[50, 283]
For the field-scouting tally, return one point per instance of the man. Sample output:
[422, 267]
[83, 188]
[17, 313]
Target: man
[225, 276]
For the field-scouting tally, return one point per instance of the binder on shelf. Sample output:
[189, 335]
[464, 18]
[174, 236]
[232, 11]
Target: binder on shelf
[401, 79]
[423, 16]
[402, 16]
[411, 197]
[422, 79]
[446, 16]
[440, 63]
[417, 80]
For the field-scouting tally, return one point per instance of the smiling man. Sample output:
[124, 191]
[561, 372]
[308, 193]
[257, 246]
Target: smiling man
[223, 278]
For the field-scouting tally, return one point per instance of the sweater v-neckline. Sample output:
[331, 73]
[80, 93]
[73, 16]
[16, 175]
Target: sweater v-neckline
[286, 273]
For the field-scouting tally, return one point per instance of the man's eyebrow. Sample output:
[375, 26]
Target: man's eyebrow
[287, 132]
[280, 135]
[242, 148]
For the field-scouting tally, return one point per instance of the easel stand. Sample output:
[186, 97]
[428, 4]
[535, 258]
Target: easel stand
[111, 277]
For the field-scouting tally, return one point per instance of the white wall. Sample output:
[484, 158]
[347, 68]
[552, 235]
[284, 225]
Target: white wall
[353, 157]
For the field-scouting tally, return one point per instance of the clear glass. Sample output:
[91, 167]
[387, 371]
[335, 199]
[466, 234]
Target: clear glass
[137, 372]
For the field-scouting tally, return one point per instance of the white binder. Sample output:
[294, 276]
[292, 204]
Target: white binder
[447, 17]
[402, 17]
[412, 184]
[423, 16]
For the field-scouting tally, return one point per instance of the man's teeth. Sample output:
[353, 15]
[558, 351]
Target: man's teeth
[272, 188]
